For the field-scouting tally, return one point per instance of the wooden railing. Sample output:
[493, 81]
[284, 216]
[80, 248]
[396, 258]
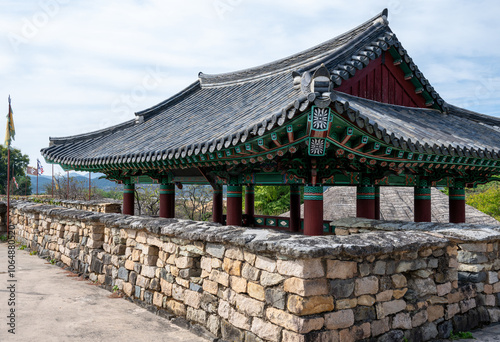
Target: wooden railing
[279, 223]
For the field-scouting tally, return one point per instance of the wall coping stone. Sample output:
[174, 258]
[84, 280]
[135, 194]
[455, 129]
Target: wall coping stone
[259, 240]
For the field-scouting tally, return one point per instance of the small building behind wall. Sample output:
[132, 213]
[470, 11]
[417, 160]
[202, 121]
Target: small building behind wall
[355, 110]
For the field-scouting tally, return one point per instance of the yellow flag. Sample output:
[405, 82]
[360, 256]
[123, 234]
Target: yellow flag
[10, 131]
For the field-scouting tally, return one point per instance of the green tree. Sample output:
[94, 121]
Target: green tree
[18, 164]
[272, 200]
[487, 201]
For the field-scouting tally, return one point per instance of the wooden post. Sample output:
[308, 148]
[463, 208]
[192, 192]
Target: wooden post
[167, 200]
[457, 203]
[422, 202]
[313, 210]
[234, 205]
[377, 202]
[250, 204]
[365, 200]
[217, 207]
[128, 199]
[294, 208]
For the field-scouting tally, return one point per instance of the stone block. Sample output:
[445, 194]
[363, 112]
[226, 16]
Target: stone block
[270, 279]
[339, 319]
[238, 284]
[232, 267]
[306, 287]
[210, 286]
[423, 287]
[366, 285]
[399, 280]
[234, 253]
[343, 304]
[419, 318]
[265, 330]
[302, 268]
[184, 262]
[380, 267]
[213, 324]
[192, 298]
[429, 331]
[166, 287]
[239, 320]
[196, 315]
[291, 322]
[250, 273]
[231, 333]
[150, 250]
[467, 257]
[492, 277]
[256, 291]
[443, 289]
[249, 306]
[215, 250]
[178, 292]
[265, 264]
[276, 298]
[224, 310]
[302, 306]
[128, 289]
[467, 304]
[389, 308]
[452, 310]
[337, 269]
[380, 327]
[341, 288]
[384, 296]
[158, 299]
[402, 321]
[148, 271]
[366, 300]
[434, 312]
[176, 308]
[219, 277]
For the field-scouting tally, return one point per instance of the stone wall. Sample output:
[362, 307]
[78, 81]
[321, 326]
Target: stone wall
[244, 284]
[98, 206]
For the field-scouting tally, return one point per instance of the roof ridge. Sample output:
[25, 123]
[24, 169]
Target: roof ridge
[92, 135]
[291, 62]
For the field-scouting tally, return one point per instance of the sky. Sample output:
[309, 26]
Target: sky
[73, 67]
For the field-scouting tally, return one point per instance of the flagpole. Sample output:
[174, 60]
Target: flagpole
[37, 180]
[52, 180]
[8, 186]
[8, 171]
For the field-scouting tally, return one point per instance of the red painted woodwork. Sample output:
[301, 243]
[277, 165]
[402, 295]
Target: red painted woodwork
[167, 205]
[128, 200]
[383, 81]
[313, 217]
[365, 208]
[377, 203]
[422, 210]
[457, 211]
[234, 211]
[294, 209]
[249, 205]
[217, 207]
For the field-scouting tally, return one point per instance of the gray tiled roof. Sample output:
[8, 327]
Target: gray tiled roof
[227, 109]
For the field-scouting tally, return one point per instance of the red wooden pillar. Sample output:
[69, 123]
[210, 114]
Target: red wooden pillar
[313, 210]
[217, 207]
[365, 200]
[377, 202]
[128, 199]
[167, 200]
[422, 202]
[234, 205]
[294, 208]
[250, 204]
[457, 203]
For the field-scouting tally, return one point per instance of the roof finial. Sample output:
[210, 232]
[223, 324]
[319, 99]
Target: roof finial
[385, 13]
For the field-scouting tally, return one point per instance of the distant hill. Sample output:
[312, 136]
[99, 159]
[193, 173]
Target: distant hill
[44, 180]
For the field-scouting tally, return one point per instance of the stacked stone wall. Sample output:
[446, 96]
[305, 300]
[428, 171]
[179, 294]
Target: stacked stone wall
[98, 206]
[243, 284]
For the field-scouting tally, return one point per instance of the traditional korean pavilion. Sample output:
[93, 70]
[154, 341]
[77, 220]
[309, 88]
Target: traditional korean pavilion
[355, 110]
